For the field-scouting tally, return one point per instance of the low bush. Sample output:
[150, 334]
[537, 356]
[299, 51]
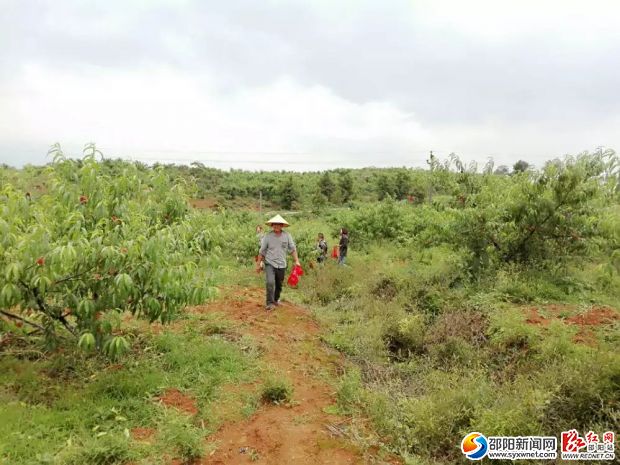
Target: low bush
[404, 336]
[586, 391]
[277, 391]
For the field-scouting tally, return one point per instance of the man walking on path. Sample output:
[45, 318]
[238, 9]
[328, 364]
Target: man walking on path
[274, 248]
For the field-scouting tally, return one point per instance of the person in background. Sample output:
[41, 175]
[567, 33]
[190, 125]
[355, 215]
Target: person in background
[274, 248]
[321, 248]
[343, 246]
[259, 237]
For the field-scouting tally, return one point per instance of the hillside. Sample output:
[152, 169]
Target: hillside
[133, 332]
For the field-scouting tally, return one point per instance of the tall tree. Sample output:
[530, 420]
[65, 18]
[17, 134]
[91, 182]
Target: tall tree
[288, 193]
[345, 182]
[384, 186]
[327, 186]
[520, 166]
[402, 184]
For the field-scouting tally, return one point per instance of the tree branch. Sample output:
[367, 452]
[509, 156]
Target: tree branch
[17, 317]
[526, 239]
[44, 310]
[73, 276]
[65, 323]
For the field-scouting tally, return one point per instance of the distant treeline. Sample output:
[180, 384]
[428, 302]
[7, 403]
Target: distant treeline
[309, 190]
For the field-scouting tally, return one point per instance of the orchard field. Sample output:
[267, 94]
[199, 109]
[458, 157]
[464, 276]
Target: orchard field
[132, 330]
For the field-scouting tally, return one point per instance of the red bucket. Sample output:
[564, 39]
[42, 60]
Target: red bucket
[335, 252]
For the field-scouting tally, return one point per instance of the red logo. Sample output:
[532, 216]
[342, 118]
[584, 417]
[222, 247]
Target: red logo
[572, 442]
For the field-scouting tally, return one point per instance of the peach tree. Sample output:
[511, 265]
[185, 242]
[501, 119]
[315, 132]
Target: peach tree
[94, 245]
[544, 216]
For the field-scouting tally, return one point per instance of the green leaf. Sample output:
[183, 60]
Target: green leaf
[13, 271]
[116, 346]
[124, 282]
[86, 308]
[9, 295]
[87, 342]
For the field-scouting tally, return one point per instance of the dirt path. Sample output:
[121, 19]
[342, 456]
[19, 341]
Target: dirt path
[302, 432]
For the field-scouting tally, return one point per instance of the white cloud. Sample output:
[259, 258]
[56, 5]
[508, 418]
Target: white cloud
[162, 113]
[350, 83]
[535, 142]
[577, 21]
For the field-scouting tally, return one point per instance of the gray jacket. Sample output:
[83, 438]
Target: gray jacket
[275, 248]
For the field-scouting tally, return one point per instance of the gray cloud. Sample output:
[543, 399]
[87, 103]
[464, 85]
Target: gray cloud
[559, 75]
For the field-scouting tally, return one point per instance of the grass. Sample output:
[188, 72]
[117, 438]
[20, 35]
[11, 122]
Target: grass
[438, 357]
[277, 391]
[179, 434]
[71, 408]
[431, 354]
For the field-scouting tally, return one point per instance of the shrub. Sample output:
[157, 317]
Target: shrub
[349, 394]
[433, 424]
[277, 391]
[541, 216]
[515, 409]
[453, 352]
[384, 221]
[470, 325]
[386, 288]
[94, 245]
[508, 330]
[586, 390]
[405, 336]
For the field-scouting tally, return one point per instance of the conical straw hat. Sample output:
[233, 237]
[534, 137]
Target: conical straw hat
[277, 219]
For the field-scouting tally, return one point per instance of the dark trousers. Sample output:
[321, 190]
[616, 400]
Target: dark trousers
[274, 277]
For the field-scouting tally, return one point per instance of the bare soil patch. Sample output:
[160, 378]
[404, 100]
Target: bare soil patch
[535, 318]
[142, 434]
[176, 399]
[300, 432]
[597, 316]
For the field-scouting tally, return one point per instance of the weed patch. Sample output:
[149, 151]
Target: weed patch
[277, 391]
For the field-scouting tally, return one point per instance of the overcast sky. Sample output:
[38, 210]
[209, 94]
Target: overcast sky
[302, 84]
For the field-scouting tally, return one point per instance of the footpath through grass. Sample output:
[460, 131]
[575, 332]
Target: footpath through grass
[227, 383]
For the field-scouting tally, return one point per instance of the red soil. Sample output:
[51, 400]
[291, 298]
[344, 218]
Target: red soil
[300, 433]
[585, 336]
[535, 318]
[142, 434]
[176, 399]
[594, 317]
